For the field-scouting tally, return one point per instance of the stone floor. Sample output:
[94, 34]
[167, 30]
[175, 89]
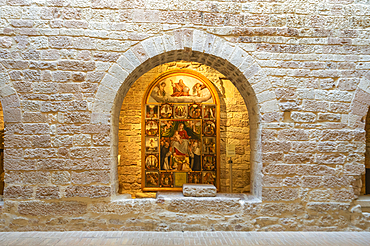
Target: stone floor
[184, 238]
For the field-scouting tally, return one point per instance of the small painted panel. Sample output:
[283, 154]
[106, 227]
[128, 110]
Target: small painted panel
[209, 145]
[195, 178]
[209, 162]
[209, 128]
[166, 111]
[152, 179]
[209, 112]
[166, 180]
[179, 179]
[151, 162]
[180, 111]
[151, 145]
[209, 178]
[195, 111]
[151, 111]
[151, 128]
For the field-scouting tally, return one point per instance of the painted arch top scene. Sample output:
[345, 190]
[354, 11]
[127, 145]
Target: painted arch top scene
[181, 86]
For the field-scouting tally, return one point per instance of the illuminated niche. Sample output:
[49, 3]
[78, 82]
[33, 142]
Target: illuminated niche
[180, 132]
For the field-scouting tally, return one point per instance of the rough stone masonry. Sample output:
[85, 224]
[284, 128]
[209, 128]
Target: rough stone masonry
[300, 66]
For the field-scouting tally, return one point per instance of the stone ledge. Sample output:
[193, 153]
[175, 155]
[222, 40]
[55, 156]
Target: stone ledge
[199, 190]
[170, 195]
[364, 202]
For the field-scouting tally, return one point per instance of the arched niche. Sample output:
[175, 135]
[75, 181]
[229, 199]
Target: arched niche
[2, 172]
[191, 45]
[234, 125]
[366, 177]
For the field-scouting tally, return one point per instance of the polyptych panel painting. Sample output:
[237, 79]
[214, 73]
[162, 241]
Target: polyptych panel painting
[180, 132]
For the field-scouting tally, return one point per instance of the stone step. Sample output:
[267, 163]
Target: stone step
[199, 190]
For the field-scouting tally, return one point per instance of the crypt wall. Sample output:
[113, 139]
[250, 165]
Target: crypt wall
[2, 173]
[300, 66]
[234, 128]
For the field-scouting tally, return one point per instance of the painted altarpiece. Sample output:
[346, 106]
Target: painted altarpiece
[180, 132]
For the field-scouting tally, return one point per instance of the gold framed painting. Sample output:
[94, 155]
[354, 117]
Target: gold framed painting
[180, 131]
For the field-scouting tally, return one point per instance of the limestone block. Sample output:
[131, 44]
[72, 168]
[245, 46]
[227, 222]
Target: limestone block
[206, 205]
[145, 195]
[199, 190]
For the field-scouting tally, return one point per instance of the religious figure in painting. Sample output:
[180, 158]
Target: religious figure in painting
[198, 90]
[188, 89]
[194, 178]
[209, 178]
[151, 128]
[180, 145]
[180, 141]
[152, 179]
[208, 163]
[180, 111]
[179, 89]
[166, 152]
[151, 111]
[161, 92]
[195, 111]
[209, 145]
[166, 111]
[151, 162]
[195, 156]
[209, 112]
[209, 128]
[151, 144]
[166, 179]
[181, 163]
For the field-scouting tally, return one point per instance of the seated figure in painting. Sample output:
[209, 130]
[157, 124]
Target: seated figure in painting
[198, 90]
[187, 90]
[161, 89]
[181, 164]
[179, 89]
[180, 141]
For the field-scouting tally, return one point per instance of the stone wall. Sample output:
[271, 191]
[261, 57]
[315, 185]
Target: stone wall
[367, 153]
[301, 68]
[2, 174]
[234, 129]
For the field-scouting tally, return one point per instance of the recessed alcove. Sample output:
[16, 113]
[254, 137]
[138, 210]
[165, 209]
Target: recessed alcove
[366, 177]
[234, 130]
[2, 173]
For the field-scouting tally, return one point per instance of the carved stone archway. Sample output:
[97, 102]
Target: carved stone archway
[189, 45]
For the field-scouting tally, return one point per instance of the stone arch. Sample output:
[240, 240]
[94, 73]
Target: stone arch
[191, 45]
[11, 108]
[9, 99]
[360, 104]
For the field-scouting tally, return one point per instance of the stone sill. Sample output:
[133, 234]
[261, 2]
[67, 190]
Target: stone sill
[162, 195]
[364, 202]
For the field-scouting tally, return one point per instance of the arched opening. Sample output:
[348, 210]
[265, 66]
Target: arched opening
[366, 177]
[234, 131]
[236, 64]
[2, 173]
